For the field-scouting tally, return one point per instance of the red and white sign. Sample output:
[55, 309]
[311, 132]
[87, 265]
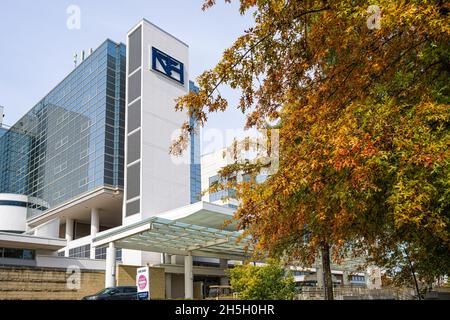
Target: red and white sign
[142, 282]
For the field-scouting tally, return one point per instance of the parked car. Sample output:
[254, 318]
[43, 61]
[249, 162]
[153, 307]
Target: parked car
[115, 293]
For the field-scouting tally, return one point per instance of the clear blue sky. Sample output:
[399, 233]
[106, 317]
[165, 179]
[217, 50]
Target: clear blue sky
[37, 47]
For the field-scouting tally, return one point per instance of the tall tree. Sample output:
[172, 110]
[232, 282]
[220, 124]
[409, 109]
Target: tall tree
[361, 97]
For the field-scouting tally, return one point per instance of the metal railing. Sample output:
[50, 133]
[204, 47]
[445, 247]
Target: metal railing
[356, 293]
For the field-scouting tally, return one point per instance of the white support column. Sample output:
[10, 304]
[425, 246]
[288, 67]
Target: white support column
[188, 278]
[168, 286]
[110, 272]
[95, 228]
[69, 234]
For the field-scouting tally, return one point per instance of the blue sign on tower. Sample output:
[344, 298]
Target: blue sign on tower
[167, 65]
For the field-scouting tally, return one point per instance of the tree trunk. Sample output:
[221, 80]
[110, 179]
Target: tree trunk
[326, 269]
[414, 275]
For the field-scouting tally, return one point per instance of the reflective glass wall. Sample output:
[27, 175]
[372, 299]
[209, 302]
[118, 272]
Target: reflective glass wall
[195, 168]
[72, 141]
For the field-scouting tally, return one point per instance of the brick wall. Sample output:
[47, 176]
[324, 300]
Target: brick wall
[33, 283]
[126, 275]
[158, 283]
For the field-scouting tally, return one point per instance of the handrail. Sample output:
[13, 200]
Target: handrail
[310, 293]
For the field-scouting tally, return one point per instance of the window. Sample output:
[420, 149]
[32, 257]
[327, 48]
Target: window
[23, 254]
[83, 154]
[221, 194]
[12, 203]
[100, 254]
[83, 182]
[134, 116]
[133, 181]
[85, 125]
[61, 142]
[300, 273]
[134, 147]
[61, 167]
[133, 207]
[80, 252]
[135, 50]
[134, 86]
[357, 279]
[59, 194]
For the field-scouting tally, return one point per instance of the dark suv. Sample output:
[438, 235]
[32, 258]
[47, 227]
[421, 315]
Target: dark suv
[115, 293]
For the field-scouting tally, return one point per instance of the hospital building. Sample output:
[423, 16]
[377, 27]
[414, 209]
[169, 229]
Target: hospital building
[87, 180]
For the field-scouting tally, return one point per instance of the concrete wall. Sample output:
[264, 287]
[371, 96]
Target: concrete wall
[33, 283]
[64, 262]
[45, 260]
[49, 229]
[14, 218]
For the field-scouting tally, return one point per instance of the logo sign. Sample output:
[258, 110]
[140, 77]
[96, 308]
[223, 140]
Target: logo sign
[143, 283]
[167, 65]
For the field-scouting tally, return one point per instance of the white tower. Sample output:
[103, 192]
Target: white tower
[157, 73]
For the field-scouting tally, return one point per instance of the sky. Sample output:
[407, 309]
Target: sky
[37, 47]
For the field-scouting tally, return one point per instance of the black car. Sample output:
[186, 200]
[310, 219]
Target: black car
[115, 293]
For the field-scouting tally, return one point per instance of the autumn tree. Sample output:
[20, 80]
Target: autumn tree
[361, 98]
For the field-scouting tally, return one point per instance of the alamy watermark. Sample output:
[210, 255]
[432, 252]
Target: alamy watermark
[374, 20]
[73, 281]
[74, 18]
[236, 145]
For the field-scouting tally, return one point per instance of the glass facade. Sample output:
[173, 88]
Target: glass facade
[72, 141]
[195, 166]
[2, 131]
[222, 194]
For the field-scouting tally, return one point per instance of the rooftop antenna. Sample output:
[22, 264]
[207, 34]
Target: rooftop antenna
[91, 51]
[82, 55]
[75, 59]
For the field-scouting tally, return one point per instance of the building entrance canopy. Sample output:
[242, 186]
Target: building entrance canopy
[189, 231]
[159, 234]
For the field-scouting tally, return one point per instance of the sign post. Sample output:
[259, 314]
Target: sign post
[143, 283]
